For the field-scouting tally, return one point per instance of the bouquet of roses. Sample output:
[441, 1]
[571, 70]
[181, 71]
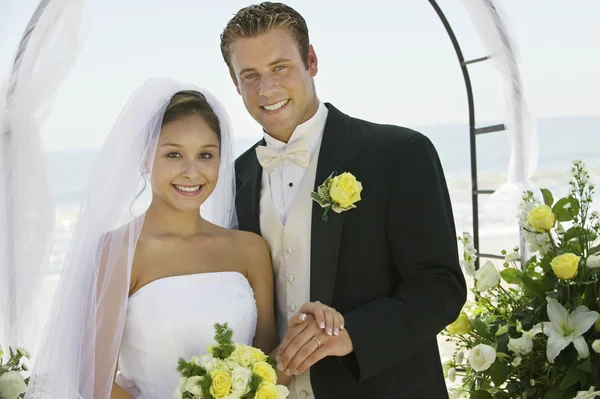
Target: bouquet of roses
[229, 371]
[534, 329]
[12, 383]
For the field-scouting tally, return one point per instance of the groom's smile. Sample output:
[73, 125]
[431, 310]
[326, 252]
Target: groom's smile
[276, 107]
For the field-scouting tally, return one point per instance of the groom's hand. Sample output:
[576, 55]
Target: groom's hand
[305, 343]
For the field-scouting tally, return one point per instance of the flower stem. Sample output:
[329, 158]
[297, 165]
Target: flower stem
[551, 240]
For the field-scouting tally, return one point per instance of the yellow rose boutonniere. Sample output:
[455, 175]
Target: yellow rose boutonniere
[338, 193]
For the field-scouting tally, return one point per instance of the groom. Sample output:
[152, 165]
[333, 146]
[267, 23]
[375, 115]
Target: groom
[390, 265]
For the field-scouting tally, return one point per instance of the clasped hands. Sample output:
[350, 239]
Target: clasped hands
[316, 331]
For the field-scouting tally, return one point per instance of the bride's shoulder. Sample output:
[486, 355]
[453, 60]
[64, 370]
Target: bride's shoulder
[247, 239]
[248, 245]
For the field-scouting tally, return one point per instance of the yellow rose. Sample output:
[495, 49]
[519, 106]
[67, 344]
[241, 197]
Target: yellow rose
[541, 218]
[271, 391]
[221, 383]
[345, 191]
[461, 326]
[264, 370]
[259, 355]
[565, 266]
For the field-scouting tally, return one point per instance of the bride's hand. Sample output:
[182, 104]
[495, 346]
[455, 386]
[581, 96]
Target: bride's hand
[328, 319]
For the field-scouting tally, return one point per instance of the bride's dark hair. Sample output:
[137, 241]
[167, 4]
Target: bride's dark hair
[188, 102]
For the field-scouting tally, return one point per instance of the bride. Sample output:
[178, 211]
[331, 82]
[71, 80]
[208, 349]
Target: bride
[143, 284]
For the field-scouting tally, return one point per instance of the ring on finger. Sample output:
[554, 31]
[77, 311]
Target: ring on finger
[317, 341]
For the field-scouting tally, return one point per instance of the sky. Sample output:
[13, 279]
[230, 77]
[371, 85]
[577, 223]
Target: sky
[388, 61]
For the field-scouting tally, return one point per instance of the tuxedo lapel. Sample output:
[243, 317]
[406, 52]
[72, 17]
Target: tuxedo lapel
[336, 150]
[247, 198]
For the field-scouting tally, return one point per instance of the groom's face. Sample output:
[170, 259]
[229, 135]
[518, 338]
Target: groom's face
[277, 88]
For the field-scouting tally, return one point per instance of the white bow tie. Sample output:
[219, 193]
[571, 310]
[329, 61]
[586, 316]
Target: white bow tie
[297, 151]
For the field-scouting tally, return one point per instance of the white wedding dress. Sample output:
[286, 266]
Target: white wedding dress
[174, 317]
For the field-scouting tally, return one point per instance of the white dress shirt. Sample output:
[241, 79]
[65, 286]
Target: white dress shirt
[285, 179]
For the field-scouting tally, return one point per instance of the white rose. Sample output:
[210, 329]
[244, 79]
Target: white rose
[487, 277]
[520, 346]
[240, 379]
[283, 391]
[202, 360]
[12, 385]
[178, 394]
[210, 363]
[481, 357]
[192, 386]
[231, 364]
[593, 262]
[596, 346]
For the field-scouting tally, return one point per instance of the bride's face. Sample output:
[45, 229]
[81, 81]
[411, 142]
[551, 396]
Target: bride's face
[186, 164]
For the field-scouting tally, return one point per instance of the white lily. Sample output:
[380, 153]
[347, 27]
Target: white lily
[565, 328]
[589, 394]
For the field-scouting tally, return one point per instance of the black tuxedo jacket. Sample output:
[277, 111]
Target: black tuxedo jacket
[390, 265]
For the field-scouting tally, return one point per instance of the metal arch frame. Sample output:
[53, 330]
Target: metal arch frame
[473, 130]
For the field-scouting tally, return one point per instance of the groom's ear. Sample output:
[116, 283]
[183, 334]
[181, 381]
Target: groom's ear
[313, 62]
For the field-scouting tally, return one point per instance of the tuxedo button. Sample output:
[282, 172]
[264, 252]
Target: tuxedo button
[303, 394]
[289, 250]
[291, 308]
[292, 278]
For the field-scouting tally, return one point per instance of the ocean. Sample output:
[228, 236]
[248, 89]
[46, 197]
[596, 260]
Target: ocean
[561, 141]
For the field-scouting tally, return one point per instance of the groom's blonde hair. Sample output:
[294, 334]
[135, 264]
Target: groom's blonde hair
[257, 19]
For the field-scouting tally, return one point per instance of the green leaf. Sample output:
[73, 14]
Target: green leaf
[554, 393]
[481, 328]
[565, 215]
[573, 232]
[499, 373]
[550, 282]
[545, 264]
[573, 376]
[511, 276]
[594, 250]
[481, 394]
[319, 200]
[577, 232]
[586, 366]
[534, 275]
[548, 198]
[535, 286]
